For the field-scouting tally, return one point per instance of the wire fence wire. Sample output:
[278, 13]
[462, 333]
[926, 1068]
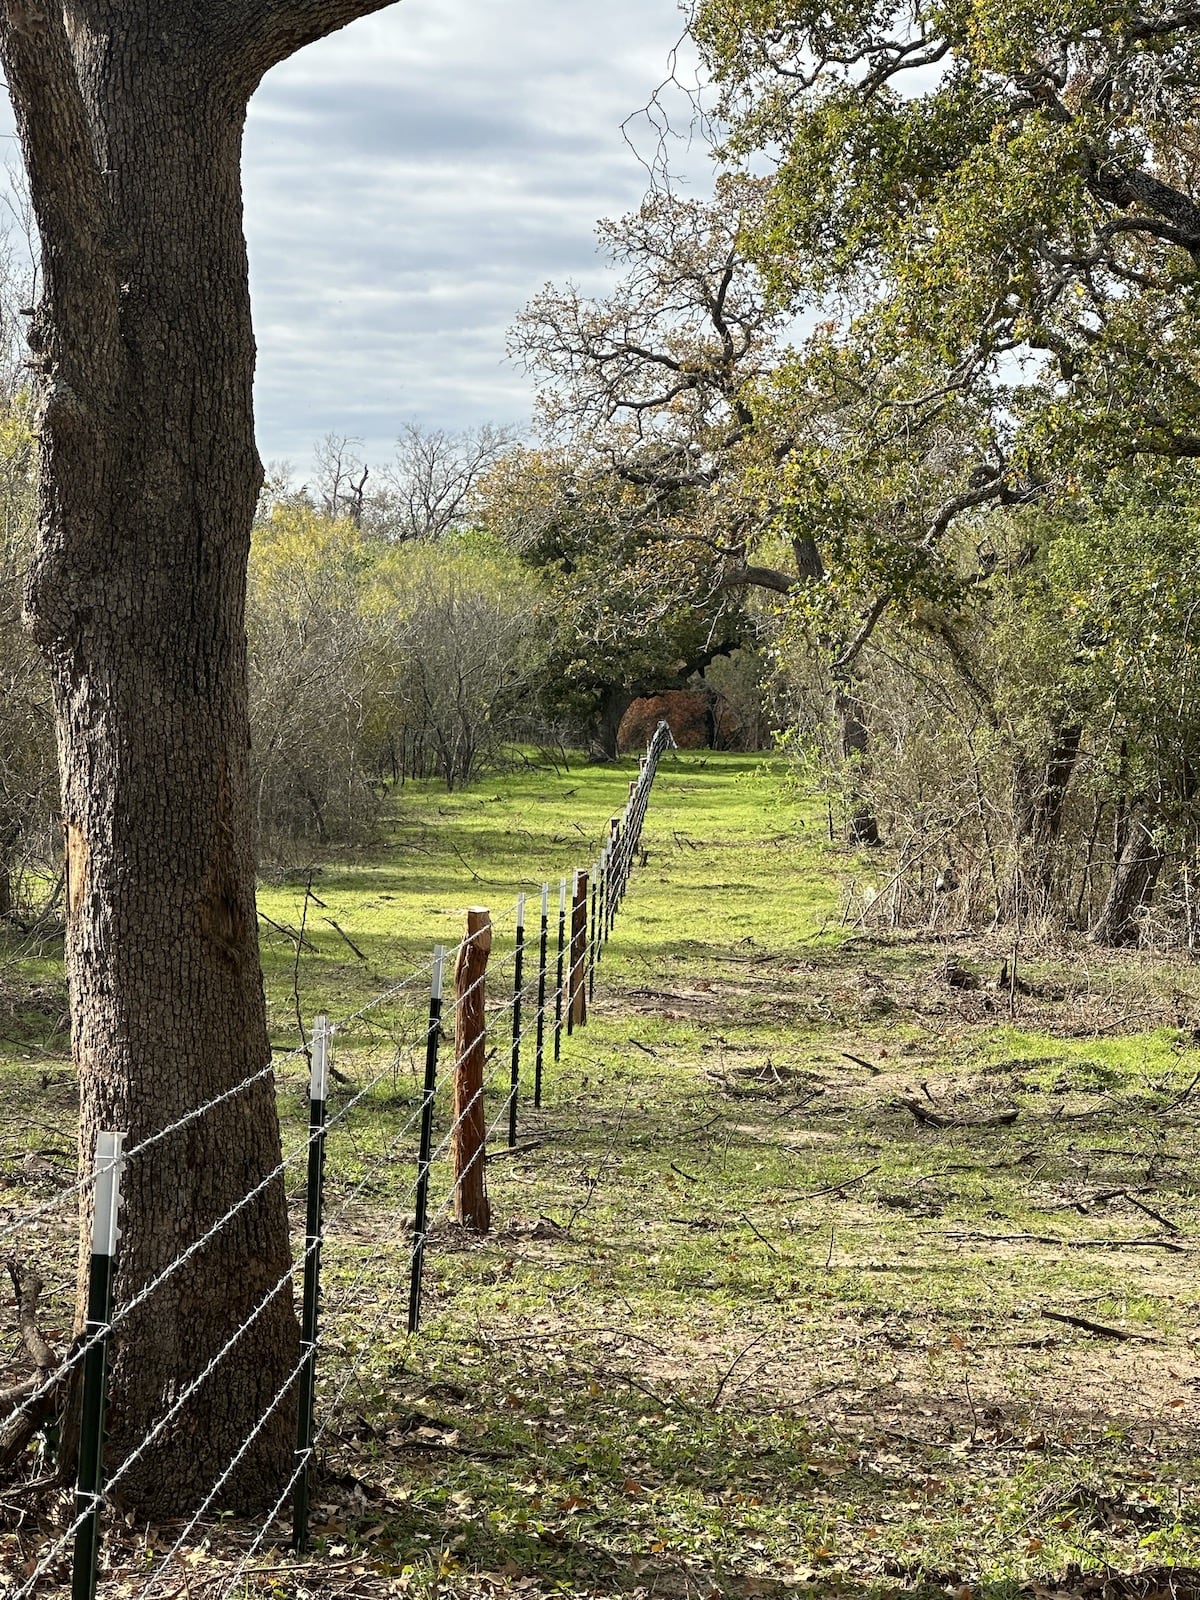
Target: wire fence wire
[365, 1137]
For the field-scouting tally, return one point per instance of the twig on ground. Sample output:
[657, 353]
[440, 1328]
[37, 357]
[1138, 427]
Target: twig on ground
[1173, 1105]
[514, 1149]
[836, 1188]
[340, 930]
[1103, 1329]
[859, 1062]
[594, 1180]
[288, 933]
[757, 1234]
[732, 1367]
[1171, 1227]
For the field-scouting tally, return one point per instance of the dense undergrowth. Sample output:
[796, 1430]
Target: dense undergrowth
[831, 1260]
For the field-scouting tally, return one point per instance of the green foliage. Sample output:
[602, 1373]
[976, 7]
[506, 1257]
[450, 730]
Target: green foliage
[986, 180]
[28, 771]
[620, 609]
[372, 662]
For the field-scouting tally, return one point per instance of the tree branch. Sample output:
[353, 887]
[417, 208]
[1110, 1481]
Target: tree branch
[258, 34]
[68, 193]
[853, 650]
[758, 578]
[1125, 186]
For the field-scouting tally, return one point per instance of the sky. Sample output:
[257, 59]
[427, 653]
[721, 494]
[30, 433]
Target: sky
[414, 180]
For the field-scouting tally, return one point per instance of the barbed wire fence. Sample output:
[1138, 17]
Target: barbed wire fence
[436, 1132]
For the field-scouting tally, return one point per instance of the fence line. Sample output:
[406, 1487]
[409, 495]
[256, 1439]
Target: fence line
[562, 982]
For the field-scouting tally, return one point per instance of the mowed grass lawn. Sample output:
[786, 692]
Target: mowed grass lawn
[814, 1270]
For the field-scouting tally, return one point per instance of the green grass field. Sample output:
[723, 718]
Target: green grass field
[815, 1271]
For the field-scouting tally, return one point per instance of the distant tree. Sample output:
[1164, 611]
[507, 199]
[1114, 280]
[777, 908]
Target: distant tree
[325, 659]
[341, 480]
[615, 615]
[462, 614]
[428, 482]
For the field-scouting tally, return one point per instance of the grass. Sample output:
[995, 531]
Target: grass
[745, 1324]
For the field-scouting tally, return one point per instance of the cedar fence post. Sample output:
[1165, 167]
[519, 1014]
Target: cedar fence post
[468, 1155]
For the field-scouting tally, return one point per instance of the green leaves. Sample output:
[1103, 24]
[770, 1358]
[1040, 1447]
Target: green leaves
[992, 183]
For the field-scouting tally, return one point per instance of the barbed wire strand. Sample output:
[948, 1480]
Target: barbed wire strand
[227, 1473]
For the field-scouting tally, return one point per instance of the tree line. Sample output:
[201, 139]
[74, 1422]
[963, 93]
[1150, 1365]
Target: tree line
[415, 630]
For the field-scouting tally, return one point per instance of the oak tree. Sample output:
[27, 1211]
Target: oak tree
[130, 116]
[1008, 183]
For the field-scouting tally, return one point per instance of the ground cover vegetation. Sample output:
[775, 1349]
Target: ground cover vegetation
[835, 1260]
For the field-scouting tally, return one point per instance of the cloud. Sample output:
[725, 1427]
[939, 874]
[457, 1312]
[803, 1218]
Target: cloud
[413, 181]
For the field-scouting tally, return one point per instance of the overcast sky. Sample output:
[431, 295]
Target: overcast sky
[412, 181]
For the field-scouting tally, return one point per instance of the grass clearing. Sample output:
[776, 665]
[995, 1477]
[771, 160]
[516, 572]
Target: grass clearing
[765, 1307]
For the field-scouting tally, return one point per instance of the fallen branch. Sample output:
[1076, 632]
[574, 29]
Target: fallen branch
[1069, 1244]
[1103, 1329]
[27, 1291]
[25, 1418]
[859, 1062]
[936, 1119]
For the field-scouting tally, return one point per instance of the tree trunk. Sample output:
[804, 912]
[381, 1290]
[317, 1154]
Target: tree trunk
[10, 838]
[131, 127]
[1132, 888]
[614, 703]
[861, 826]
[1040, 808]
[144, 630]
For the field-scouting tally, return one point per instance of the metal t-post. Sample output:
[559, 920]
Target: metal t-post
[318, 1090]
[518, 980]
[433, 1036]
[89, 1499]
[540, 1048]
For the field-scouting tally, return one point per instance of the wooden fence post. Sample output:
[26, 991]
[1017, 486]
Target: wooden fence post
[577, 988]
[468, 1155]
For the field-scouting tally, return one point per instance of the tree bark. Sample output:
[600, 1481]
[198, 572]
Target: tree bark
[1040, 808]
[861, 825]
[615, 701]
[1134, 879]
[131, 126]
